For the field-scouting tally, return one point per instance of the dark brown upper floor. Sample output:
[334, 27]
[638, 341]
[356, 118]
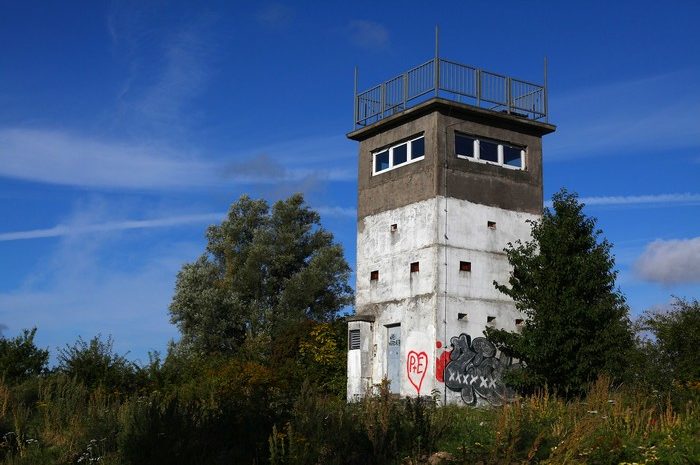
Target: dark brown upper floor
[441, 172]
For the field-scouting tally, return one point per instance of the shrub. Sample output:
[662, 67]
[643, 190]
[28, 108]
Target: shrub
[20, 358]
[95, 363]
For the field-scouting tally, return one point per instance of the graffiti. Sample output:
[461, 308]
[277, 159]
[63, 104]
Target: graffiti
[416, 366]
[476, 372]
[441, 362]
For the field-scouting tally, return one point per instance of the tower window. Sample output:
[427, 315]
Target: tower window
[512, 156]
[374, 275]
[461, 316]
[465, 146]
[381, 161]
[415, 267]
[489, 151]
[490, 319]
[465, 266]
[417, 148]
[491, 224]
[398, 155]
[354, 339]
[394, 227]
[519, 321]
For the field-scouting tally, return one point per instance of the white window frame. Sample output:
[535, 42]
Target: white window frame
[409, 159]
[501, 159]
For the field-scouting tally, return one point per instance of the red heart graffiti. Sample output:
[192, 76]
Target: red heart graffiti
[416, 366]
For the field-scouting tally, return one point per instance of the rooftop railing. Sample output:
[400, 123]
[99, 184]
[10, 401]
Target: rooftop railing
[453, 81]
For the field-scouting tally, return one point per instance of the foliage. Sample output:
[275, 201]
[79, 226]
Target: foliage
[20, 358]
[261, 270]
[606, 427]
[268, 385]
[94, 363]
[669, 342]
[222, 422]
[564, 281]
[378, 430]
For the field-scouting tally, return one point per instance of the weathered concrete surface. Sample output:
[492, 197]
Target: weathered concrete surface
[438, 233]
[441, 206]
[441, 172]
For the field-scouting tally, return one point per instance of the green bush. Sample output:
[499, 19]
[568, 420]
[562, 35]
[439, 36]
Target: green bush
[94, 363]
[20, 358]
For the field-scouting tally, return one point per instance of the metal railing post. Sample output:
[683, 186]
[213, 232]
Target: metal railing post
[405, 90]
[544, 93]
[462, 83]
[508, 93]
[478, 87]
[356, 103]
[437, 61]
[382, 98]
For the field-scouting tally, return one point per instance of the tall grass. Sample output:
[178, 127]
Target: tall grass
[608, 426]
[56, 420]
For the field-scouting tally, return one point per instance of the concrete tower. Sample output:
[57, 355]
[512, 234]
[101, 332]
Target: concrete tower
[450, 170]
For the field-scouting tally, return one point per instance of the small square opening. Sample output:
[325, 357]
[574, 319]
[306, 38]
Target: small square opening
[490, 319]
[491, 224]
[415, 267]
[394, 227]
[519, 321]
[374, 275]
[465, 266]
[461, 316]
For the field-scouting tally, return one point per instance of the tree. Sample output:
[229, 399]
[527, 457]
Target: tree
[262, 270]
[20, 358]
[671, 353]
[564, 281]
[95, 363]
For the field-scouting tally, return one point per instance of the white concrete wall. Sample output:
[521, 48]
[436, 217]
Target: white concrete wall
[427, 303]
[391, 253]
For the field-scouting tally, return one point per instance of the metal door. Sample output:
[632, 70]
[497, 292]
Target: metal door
[393, 358]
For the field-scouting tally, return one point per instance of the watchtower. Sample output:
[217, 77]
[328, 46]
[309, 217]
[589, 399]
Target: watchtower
[450, 170]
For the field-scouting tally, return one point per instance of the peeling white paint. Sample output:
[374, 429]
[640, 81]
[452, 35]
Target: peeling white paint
[438, 233]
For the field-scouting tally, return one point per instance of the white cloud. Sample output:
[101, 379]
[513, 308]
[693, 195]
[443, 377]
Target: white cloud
[184, 74]
[681, 198]
[275, 15]
[166, 67]
[670, 262]
[343, 212]
[83, 288]
[651, 199]
[72, 230]
[638, 115]
[59, 157]
[368, 34]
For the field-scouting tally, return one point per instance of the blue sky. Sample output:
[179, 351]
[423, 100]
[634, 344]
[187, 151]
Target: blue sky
[127, 127]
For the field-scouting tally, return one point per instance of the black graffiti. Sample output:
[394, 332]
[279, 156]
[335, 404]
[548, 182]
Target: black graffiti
[476, 372]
